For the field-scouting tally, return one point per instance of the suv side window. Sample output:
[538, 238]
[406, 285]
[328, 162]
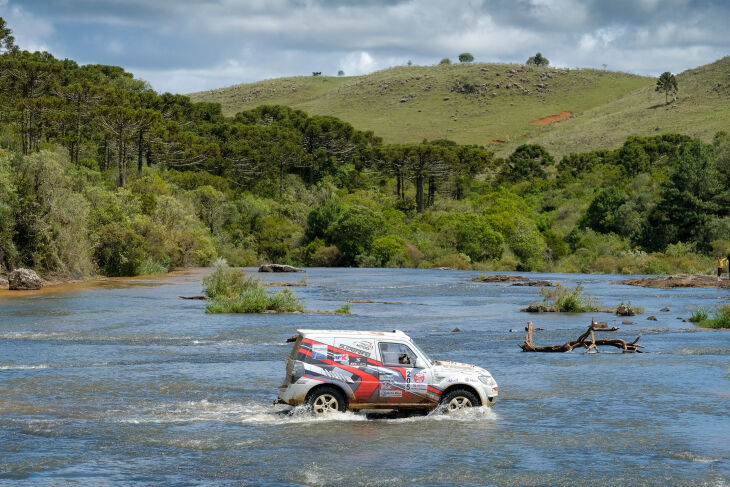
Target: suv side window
[397, 355]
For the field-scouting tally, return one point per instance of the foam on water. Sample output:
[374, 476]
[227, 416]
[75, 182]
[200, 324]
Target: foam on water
[262, 414]
[7, 366]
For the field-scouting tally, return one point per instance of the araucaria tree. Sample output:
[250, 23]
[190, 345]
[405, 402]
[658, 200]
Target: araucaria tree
[538, 60]
[466, 57]
[668, 84]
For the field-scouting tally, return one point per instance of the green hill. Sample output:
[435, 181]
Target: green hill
[702, 108]
[498, 104]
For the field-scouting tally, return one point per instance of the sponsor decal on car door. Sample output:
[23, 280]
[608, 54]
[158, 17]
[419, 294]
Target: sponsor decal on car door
[400, 381]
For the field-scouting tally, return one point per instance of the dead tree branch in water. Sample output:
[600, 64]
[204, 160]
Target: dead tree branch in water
[581, 341]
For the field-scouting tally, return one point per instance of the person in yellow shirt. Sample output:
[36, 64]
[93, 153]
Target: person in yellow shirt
[720, 265]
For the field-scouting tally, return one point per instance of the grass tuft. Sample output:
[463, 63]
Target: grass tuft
[566, 299]
[720, 319]
[232, 291]
[151, 267]
[344, 309]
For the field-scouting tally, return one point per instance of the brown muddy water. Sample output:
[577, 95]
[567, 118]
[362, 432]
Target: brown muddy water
[121, 382]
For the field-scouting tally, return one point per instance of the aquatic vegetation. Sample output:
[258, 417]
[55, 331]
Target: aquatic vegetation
[720, 317]
[232, 291]
[344, 309]
[699, 315]
[566, 299]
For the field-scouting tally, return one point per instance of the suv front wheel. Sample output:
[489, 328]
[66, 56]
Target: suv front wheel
[458, 399]
[326, 400]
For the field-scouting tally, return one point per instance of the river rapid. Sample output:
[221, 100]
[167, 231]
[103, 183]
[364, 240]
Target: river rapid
[123, 383]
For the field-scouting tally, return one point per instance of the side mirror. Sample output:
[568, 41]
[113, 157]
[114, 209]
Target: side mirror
[420, 363]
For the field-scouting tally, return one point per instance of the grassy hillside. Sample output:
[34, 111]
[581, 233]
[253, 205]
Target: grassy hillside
[477, 103]
[407, 104]
[701, 109]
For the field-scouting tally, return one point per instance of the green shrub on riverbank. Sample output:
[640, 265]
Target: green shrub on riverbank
[232, 291]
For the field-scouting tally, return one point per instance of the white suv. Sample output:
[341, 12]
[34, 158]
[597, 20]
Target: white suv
[332, 370]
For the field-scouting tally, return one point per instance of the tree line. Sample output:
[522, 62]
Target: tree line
[99, 173]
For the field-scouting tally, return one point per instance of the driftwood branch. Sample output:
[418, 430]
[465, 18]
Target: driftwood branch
[581, 341]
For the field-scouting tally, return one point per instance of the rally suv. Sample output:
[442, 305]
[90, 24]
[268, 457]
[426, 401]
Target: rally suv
[331, 370]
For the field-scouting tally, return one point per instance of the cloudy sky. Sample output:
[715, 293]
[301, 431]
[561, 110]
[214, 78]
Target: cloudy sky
[190, 45]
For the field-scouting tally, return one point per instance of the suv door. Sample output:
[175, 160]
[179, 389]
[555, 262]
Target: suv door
[353, 354]
[401, 383]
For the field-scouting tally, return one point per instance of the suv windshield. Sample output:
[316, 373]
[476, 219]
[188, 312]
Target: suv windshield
[395, 354]
[423, 354]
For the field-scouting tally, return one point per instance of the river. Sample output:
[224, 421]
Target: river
[123, 383]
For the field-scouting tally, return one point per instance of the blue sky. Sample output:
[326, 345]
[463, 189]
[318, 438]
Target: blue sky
[185, 45]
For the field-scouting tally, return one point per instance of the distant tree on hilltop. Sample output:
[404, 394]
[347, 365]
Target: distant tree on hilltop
[668, 84]
[445, 61]
[340, 73]
[466, 57]
[538, 60]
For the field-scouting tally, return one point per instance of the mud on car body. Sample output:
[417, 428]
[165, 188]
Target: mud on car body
[338, 370]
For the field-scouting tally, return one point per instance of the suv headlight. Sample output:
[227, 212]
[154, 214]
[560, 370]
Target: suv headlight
[488, 380]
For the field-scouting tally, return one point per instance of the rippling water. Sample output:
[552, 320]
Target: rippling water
[123, 382]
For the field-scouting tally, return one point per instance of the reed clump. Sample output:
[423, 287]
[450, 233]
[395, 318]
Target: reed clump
[720, 317]
[232, 291]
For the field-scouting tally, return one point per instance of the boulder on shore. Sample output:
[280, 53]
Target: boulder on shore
[278, 268]
[24, 280]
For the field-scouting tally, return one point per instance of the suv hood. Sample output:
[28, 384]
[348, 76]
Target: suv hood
[449, 366]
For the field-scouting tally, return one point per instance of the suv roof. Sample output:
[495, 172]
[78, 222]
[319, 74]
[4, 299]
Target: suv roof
[388, 334]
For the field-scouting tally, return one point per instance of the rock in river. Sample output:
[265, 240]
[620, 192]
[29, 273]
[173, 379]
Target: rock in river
[278, 268]
[24, 280]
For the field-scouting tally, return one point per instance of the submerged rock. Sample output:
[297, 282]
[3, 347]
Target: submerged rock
[534, 283]
[625, 310]
[499, 278]
[540, 308]
[651, 318]
[278, 268]
[669, 282]
[24, 280]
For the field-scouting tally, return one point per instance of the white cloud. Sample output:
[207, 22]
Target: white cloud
[356, 63]
[186, 80]
[601, 38]
[31, 32]
[189, 45]
[115, 47]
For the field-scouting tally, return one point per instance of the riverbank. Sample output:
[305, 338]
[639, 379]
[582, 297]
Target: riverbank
[57, 284]
[63, 284]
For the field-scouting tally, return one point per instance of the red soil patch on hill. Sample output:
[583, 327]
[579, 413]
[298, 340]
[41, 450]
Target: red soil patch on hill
[553, 118]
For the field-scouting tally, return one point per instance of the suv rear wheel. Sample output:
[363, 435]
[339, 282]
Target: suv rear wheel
[459, 399]
[326, 400]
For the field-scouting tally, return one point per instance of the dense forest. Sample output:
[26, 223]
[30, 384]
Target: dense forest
[100, 174]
